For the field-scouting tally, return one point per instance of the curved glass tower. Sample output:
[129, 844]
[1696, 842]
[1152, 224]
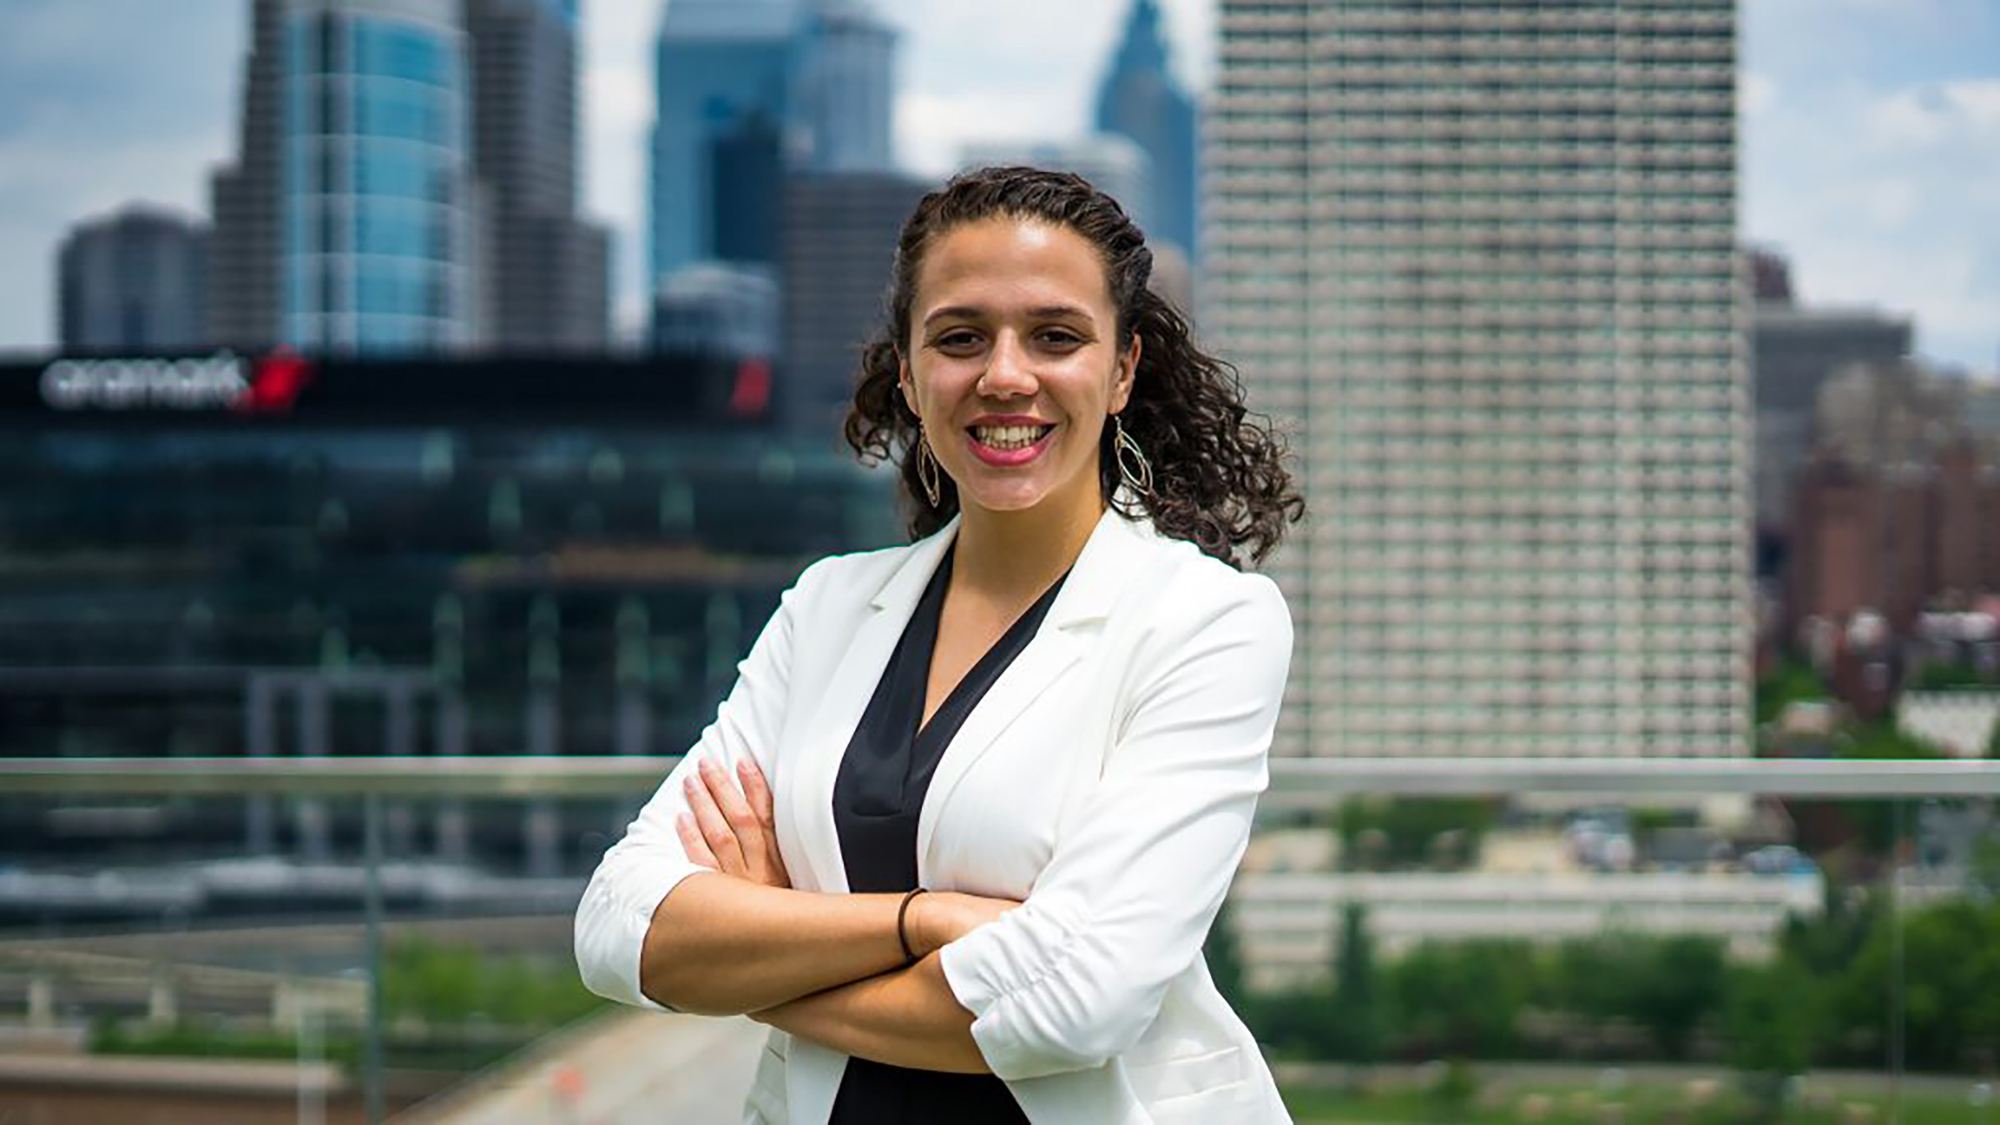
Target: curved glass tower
[376, 200]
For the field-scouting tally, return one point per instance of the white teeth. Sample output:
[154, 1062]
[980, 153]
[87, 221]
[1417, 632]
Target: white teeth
[1007, 437]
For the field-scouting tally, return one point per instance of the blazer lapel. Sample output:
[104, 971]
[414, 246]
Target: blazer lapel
[1087, 596]
[841, 703]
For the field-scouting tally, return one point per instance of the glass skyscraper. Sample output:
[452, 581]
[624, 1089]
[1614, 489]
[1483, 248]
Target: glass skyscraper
[746, 91]
[545, 272]
[1479, 258]
[1140, 99]
[377, 234]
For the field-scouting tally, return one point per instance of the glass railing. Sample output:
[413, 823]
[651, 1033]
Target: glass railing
[1477, 941]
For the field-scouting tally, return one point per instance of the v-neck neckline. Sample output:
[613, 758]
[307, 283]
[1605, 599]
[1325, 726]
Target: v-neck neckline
[978, 677]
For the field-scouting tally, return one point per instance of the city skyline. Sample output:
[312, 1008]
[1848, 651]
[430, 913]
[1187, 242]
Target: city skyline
[1868, 129]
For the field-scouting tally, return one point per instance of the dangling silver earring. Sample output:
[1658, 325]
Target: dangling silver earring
[1133, 468]
[927, 468]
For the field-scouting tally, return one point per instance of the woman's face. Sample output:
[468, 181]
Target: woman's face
[1013, 364]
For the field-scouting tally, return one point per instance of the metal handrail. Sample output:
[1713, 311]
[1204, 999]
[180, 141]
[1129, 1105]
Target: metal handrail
[1295, 782]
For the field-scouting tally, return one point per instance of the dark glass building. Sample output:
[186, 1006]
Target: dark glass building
[747, 90]
[1140, 98]
[135, 281]
[181, 529]
[840, 241]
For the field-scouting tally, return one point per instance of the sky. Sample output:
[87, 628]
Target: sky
[1870, 129]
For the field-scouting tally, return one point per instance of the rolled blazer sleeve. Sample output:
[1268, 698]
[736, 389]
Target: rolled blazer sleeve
[639, 870]
[1075, 976]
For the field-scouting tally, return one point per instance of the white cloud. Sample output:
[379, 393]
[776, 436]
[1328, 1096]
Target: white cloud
[933, 130]
[1756, 93]
[1967, 110]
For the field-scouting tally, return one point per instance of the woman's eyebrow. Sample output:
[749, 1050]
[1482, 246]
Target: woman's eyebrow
[1051, 312]
[1042, 312]
[961, 312]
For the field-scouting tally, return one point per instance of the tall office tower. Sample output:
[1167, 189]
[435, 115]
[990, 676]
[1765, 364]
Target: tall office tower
[546, 272]
[348, 224]
[1479, 259]
[243, 253]
[134, 281]
[1794, 351]
[1140, 98]
[748, 90]
[847, 87]
[723, 74]
[840, 240]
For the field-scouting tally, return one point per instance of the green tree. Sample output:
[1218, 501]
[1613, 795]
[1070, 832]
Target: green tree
[1946, 677]
[1463, 998]
[1419, 830]
[1669, 985]
[1770, 1019]
[1793, 680]
[1357, 988]
[1677, 983]
[1950, 985]
[1225, 963]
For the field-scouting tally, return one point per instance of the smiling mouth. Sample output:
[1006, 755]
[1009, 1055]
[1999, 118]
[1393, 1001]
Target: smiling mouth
[1008, 438]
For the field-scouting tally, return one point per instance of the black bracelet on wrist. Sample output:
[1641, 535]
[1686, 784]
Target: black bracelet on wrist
[903, 935]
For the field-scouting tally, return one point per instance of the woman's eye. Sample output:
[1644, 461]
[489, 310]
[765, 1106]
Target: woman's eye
[957, 341]
[1060, 338]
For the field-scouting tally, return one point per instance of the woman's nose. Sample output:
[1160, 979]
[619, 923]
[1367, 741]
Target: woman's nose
[1009, 370]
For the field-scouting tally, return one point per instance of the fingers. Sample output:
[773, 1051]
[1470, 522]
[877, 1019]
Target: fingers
[714, 827]
[736, 810]
[756, 791]
[691, 842]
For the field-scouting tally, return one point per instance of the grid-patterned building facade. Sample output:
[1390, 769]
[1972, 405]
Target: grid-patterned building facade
[1477, 256]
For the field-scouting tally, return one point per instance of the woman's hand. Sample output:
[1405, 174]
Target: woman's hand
[937, 919]
[731, 829]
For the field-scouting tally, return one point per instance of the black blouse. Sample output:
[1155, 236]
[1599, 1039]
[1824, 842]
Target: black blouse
[877, 799]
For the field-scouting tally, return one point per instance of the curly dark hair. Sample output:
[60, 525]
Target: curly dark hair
[1219, 479]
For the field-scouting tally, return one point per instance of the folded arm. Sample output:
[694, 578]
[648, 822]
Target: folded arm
[659, 927]
[906, 1018]
[693, 910]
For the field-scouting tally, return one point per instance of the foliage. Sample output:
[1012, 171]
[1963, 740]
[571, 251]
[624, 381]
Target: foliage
[1667, 985]
[1881, 741]
[191, 1039]
[1455, 1088]
[1824, 945]
[1947, 677]
[1950, 985]
[1225, 964]
[1770, 1019]
[1985, 864]
[1414, 831]
[1643, 1100]
[1820, 1000]
[1355, 988]
[431, 983]
[447, 1007]
[1463, 998]
[1874, 820]
[1792, 681]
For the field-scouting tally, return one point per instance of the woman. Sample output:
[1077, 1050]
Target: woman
[960, 828]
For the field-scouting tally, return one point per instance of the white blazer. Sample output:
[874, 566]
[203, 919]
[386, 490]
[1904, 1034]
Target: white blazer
[1107, 779]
